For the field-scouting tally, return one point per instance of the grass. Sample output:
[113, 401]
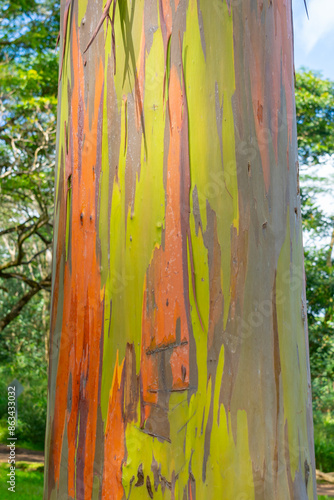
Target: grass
[29, 481]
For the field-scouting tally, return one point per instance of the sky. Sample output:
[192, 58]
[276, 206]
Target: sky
[314, 37]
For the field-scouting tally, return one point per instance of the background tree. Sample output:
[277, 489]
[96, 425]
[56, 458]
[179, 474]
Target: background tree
[28, 87]
[315, 116]
[178, 327]
[315, 121]
[27, 140]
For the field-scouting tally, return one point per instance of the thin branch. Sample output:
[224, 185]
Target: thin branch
[13, 229]
[17, 308]
[106, 16]
[45, 240]
[20, 40]
[21, 239]
[330, 251]
[34, 256]
[20, 277]
[11, 121]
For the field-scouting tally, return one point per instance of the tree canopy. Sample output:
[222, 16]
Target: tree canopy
[315, 116]
[28, 89]
[315, 121]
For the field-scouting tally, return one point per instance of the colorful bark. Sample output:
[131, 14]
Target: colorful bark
[179, 364]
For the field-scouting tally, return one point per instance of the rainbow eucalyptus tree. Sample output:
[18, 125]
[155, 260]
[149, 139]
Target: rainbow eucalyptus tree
[179, 359]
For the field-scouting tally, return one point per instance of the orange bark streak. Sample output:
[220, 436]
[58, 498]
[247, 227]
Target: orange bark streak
[164, 313]
[79, 356]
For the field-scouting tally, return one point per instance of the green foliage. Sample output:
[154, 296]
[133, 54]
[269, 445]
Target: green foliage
[27, 134]
[324, 443]
[28, 102]
[28, 90]
[27, 26]
[27, 334]
[315, 116]
[29, 366]
[320, 294]
[315, 122]
[315, 223]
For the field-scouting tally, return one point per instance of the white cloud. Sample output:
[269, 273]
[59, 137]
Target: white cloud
[320, 24]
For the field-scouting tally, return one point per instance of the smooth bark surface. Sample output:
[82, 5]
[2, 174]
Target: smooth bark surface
[179, 360]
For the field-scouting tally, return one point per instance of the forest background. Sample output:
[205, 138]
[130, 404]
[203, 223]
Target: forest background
[28, 102]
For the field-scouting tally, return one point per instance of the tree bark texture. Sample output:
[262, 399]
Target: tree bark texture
[178, 359]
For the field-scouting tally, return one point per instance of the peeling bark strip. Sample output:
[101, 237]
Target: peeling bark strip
[178, 357]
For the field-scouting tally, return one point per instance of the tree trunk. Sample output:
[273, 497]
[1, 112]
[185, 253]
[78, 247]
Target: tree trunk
[178, 359]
